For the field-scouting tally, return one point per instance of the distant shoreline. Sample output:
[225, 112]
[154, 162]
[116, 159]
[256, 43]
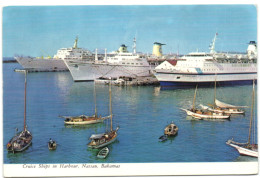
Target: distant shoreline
[9, 61]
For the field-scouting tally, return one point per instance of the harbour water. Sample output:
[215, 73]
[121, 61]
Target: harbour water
[141, 112]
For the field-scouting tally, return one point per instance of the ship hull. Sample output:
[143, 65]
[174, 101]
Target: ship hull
[89, 71]
[41, 65]
[178, 80]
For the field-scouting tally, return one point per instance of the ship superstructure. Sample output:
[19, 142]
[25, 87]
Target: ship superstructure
[56, 63]
[117, 64]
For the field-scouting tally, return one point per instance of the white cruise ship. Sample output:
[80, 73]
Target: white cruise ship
[117, 64]
[205, 68]
[56, 63]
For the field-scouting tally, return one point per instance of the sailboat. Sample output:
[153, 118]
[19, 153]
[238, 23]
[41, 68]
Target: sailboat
[221, 107]
[23, 139]
[104, 139]
[83, 119]
[250, 148]
[202, 114]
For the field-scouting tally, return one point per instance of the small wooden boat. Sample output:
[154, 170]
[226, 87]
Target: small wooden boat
[103, 153]
[52, 145]
[171, 130]
[22, 140]
[163, 138]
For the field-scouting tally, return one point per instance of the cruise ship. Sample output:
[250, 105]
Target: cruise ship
[120, 63]
[205, 68]
[56, 63]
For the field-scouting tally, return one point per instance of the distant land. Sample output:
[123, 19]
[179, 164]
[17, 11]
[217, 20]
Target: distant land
[9, 60]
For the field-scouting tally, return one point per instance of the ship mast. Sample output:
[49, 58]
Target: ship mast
[212, 45]
[25, 83]
[134, 46]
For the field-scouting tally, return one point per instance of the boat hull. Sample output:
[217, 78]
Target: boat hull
[203, 116]
[244, 151]
[84, 122]
[89, 71]
[41, 65]
[102, 145]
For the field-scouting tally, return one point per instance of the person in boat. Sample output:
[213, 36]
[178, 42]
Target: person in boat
[51, 142]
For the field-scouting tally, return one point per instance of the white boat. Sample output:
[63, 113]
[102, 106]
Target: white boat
[205, 114]
[225, 105]
[56, 63]
[201, 67]
[250, 148]
[220, 107]
[83, 119]
[22, 140]
[103, 153]
[222, 110]
[120, 63]
[201, 114]
[104, 139]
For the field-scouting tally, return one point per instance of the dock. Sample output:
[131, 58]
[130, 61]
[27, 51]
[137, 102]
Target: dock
[130, 81]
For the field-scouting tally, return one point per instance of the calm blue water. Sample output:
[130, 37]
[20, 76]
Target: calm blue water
[141, 112]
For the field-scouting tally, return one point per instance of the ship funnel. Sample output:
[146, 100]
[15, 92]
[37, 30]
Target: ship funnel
[252, 48]
[123, 49]
[157, 49]
[76, 43]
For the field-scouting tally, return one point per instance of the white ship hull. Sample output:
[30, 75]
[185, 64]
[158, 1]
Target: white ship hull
[227, 74]
[88, 71]
[41, 65]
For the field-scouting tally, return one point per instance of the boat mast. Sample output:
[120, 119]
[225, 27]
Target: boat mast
[25, 83]
[215, 91]
[95, 100]
[194, 99]
[110, 106]
[252, 109]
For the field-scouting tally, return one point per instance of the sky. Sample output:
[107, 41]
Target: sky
[42, 30]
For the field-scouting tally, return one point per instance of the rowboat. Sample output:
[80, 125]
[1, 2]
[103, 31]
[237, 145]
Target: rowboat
[171, 130]
[103, 153]
[52, 145]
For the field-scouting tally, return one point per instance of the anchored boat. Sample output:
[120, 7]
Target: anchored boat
[52, 145]
[23, 139]
[250, 148]
[221, 107]
[104, 139]
[103, 153]
[204, 114]
[83, 119]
